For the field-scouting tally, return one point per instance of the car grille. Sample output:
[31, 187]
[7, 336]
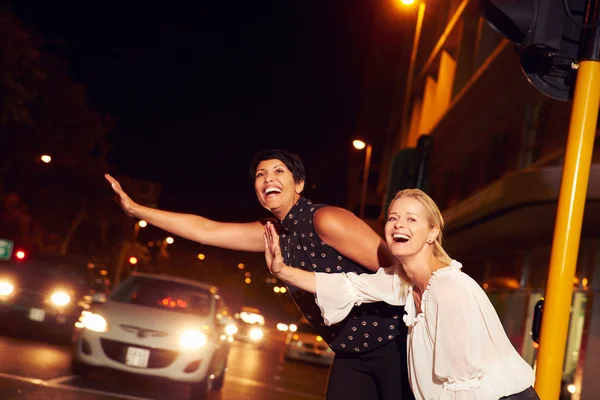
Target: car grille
[30, 298]
[117, 351]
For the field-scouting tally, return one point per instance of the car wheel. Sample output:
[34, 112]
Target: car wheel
[219, 381]
[79, 368]
[200, 390]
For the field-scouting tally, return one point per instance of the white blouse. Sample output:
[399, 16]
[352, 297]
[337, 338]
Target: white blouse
[457, 346]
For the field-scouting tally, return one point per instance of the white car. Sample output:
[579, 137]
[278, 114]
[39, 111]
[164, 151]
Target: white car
[158, 326]
[302, 343]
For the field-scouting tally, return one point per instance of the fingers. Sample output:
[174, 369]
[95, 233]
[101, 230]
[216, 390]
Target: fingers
[113, 183]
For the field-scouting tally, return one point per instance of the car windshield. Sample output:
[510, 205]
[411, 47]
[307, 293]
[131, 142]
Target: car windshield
[164, 295]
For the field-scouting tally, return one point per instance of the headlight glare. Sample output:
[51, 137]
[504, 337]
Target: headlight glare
[6, 288]
[231, 329]
[192, 339]
[256, 334]
[60, 298]
[93, 322]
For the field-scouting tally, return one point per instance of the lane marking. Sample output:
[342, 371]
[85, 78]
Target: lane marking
[60, 379]
[51, 383]
[57, 383]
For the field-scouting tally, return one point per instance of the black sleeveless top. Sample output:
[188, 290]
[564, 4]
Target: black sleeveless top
[368, 326]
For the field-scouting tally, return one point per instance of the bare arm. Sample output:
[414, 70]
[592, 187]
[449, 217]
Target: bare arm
[353, 238]
[228, 235]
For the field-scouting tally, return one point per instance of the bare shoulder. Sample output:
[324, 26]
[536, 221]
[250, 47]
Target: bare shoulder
[332, 220]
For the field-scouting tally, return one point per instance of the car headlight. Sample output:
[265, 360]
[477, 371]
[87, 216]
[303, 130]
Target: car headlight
[231, 329]
[282, 327]
[93, 322]
[60, 298]
[192, 339]
[256, 334]
[6, 288]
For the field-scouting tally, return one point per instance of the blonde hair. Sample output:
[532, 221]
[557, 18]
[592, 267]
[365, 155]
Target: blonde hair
[435, 219]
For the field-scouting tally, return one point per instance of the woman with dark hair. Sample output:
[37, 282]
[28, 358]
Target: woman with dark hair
[370, 343]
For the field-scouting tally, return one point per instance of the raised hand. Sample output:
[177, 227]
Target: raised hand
[126, 203]
[272, 250]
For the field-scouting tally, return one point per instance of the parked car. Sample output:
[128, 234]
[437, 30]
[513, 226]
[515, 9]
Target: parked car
[42, 296]
[160, 326]
[303, 344]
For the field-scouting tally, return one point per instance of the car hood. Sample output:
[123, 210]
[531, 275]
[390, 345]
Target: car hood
[123, 314]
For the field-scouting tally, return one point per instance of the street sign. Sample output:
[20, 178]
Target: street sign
[6, 248]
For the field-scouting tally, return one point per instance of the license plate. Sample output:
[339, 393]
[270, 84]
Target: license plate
[37, 314]
[137, 357]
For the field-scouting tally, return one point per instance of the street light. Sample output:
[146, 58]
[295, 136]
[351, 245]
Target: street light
[46, 158]
[359, 144]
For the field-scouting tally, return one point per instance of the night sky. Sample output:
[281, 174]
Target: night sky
[197, 89]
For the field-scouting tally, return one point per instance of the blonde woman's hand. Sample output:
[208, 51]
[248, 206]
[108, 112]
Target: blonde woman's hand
[272, 250]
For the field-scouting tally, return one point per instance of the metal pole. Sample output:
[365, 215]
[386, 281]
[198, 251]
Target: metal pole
[569, 218]
[127, 246]
[365, 181]
[411, 73]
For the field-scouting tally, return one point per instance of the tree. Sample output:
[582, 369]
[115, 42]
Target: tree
[67, 203]
[19, 74]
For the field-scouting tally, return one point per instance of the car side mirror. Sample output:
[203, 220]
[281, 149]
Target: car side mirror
[99, 298]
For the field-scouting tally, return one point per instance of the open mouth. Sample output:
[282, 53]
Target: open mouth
[400, 238]
[272, 192]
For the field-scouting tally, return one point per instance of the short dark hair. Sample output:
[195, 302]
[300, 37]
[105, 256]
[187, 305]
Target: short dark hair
[291, 161]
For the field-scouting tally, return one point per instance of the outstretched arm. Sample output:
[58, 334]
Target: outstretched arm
[336, 293]
[227, 235]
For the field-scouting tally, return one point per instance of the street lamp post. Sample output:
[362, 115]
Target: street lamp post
[411, 66]
[359, 145]
[126, 248]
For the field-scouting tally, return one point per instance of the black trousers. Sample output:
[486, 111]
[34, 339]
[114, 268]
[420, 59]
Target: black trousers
[377, 375]
[527, 394]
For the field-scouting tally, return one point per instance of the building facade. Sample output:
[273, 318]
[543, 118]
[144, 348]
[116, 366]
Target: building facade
[496, 168]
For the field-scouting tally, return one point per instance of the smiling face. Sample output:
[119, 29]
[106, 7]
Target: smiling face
[408, 230]
[275, 187]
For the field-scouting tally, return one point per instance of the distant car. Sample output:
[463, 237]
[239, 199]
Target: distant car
[41, 297]
[305, 345]
[159, 326]
[251, 326]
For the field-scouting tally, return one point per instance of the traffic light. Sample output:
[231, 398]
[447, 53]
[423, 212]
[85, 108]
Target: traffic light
[410, 169]
[547, 34]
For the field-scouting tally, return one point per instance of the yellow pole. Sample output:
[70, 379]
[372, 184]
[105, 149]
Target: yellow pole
[567, 230]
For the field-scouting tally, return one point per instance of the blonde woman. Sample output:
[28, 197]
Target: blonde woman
[457, 347]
